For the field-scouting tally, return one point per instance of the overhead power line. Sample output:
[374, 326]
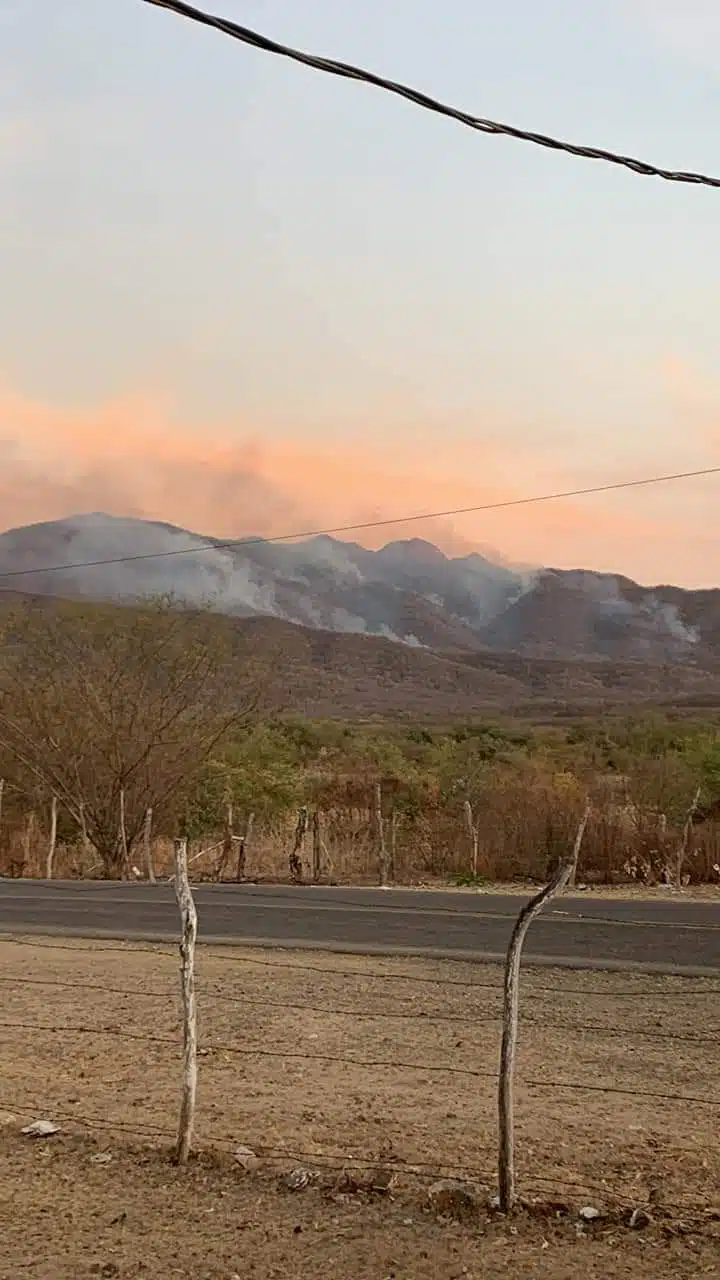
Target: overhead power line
[348, 71]
[233, 543]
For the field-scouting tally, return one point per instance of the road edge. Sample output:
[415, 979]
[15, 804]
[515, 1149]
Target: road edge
[576, 963]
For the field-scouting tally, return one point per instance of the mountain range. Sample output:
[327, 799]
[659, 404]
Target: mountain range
[408, 591]
[403, 631]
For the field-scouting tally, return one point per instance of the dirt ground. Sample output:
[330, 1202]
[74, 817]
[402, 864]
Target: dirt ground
[382, 1068]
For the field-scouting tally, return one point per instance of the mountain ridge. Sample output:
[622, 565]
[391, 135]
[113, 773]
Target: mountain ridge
[408, 591]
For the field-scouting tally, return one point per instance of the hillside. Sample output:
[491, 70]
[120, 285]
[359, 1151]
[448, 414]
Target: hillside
[321, 673]
[471, 631]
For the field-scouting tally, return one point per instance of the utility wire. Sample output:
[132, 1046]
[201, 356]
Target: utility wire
[348, 71]
[233, 543]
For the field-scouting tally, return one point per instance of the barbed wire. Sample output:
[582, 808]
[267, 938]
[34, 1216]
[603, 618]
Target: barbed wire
[364, 1015]
[384, 1064]
[229, 956]
[339, 1160]
[349, 71]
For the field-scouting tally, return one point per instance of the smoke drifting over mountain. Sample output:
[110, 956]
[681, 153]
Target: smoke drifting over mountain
[408, 591]
[133, 458]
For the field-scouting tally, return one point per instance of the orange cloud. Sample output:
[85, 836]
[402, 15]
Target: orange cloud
[695, 395]
[131, 457]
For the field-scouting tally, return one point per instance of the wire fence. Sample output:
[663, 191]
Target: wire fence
[401, 1072]
[712, 1036]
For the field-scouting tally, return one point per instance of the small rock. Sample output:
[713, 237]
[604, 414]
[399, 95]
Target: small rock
[639, 1219]
[454, 1199]
[246, 1158]
[381, 1181]
[299, 1179]
[101, 1157]
[589, 1214]
[41, 1129]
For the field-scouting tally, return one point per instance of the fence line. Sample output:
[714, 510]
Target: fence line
[339, 1160]
[371, 1064]
[299, 966]
[424, 1064]
[395, 1016]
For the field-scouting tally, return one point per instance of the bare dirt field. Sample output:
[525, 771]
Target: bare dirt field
[377, 1077]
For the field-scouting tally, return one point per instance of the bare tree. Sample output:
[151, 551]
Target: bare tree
[511, 1001]
[115, 710]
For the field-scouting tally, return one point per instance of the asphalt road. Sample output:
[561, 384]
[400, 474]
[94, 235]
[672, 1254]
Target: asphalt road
[668, 936]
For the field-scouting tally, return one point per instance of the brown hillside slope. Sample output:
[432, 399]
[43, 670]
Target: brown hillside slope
[335, 674]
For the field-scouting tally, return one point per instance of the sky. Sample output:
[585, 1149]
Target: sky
[245, 297]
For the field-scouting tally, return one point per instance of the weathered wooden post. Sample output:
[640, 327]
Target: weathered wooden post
[506, 1161]
[188, 916]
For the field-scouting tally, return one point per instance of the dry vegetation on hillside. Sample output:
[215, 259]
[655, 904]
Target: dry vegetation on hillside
[110, 720]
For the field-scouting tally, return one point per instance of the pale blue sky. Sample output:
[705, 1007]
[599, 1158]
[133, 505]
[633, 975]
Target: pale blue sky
[314, 261]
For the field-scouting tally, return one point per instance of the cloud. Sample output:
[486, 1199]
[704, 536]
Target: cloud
[132, 456]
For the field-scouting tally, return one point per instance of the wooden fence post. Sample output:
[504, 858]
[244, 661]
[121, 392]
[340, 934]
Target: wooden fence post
[53, 839]
[188, 916]
[383, 859]
[511, 994]
[124, 853]
[242, 844]
[394, 825]
[227, 841]
[28, 836]
[296, 868]
[473, 836]
[147, 844]
[316, 846]
[687, 831]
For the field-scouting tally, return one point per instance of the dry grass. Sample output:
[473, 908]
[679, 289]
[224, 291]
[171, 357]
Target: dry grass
[68, 1218]
[609, 1149]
